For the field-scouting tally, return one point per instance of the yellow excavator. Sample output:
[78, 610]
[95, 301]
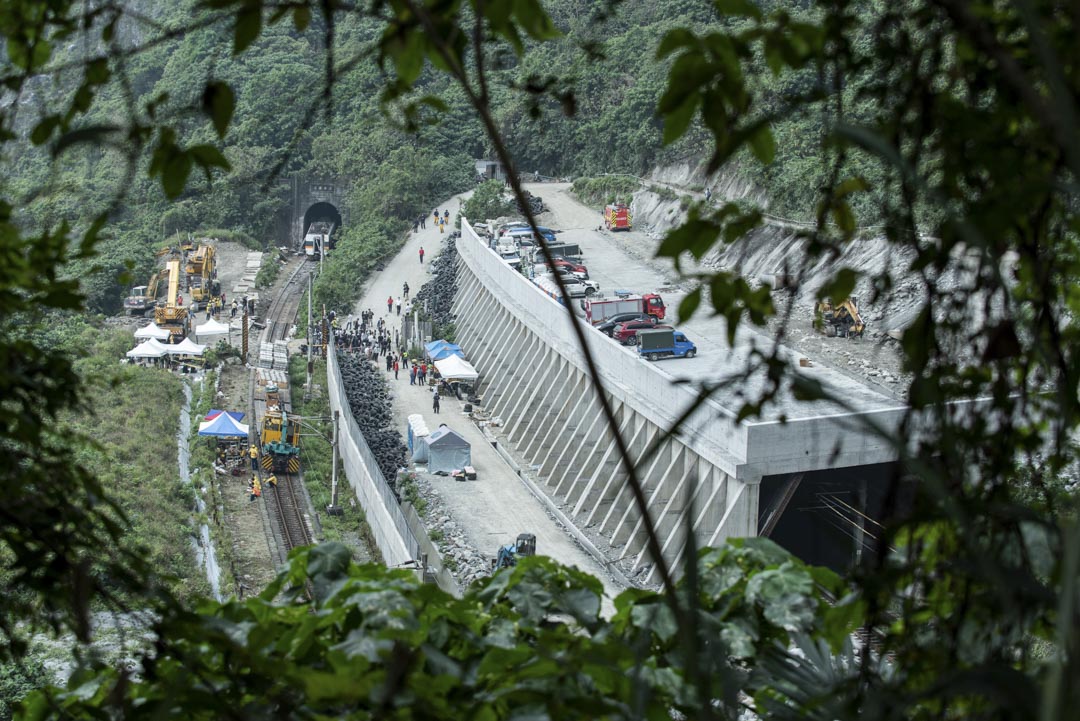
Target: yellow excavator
[839, 319]
[172, 316]
[201, 273]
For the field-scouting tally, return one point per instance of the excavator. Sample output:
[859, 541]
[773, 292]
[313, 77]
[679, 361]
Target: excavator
[143, 297]
[201, 273]
[172, 316]
[839, 319]
[511, 552]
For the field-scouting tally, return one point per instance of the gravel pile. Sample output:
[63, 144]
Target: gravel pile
[369, 400]
[465, 562]
[437, 295]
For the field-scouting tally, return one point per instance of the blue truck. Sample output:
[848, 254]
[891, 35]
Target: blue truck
[670, 343]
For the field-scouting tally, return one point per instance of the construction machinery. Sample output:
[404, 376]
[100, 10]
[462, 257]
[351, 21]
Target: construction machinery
[280, 436]
[172, 315]
[510, 553]
[839, 319]
[143, 297]
[201, 276]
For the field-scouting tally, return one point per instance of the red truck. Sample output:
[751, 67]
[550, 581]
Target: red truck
[617, 217]
[600, 308]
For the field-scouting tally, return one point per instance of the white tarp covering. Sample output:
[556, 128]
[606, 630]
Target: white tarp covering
[418, 431]
[148, 349]
[152, 331]
[185, 347]
[211, 327]
[456, 369]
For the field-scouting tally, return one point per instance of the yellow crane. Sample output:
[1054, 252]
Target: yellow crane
[172, 316]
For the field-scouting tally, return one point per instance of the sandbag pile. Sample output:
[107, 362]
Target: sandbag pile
[369, 401]
[437, 295]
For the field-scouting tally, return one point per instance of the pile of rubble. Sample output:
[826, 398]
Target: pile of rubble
[369, 401]
[466, 563]
[536, 204]
[437, 295]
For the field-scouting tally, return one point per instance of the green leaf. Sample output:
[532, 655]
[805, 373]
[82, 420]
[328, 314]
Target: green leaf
[93, 134]
[44, 129]
[689, 304]
[673, 40]
[843, 217]
[301, 18]
[247, 28]
[763, 145]
[219, 102]
[174, 174]
[840, 287]
[677, 121]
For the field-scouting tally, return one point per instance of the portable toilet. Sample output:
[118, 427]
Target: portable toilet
[416, 434]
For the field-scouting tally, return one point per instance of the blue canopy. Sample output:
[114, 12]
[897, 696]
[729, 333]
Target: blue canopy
[439, 349]
[223, 426]
[213, 413]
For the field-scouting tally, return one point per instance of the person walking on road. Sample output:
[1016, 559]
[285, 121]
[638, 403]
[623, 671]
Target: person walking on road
[253, 452]
[405, 291]
[405, 358]
[412, 376]
[399, 306]
[423, 222]
[435, 403]
[396, 367]
[390, 304]
[422, 250]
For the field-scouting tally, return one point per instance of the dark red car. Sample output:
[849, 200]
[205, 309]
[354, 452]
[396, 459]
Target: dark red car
[626, 333]
[576, 268]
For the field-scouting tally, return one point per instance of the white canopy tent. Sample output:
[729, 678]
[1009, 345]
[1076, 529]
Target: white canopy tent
[148, 349]
[152, 331]
[185, 347]
[456, 369]
[211, 328]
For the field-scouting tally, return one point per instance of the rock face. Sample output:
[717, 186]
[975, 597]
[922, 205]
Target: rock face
[369, 401]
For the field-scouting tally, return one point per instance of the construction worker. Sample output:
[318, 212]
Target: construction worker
[254, 489]
[253, 452]
[272, 481]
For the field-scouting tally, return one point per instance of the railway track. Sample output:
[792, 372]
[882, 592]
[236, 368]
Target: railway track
[288, 518]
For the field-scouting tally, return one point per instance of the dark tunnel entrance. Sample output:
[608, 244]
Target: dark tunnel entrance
[833, 518]
[321, 213]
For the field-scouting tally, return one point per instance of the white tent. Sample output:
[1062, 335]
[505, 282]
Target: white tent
[456, 369]
[447, 450]
[185, 347]
[148, 349]
[211, 327]
[152, 331]
[223, 425]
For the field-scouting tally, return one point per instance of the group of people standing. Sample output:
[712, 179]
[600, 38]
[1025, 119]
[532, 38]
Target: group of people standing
[440, 222]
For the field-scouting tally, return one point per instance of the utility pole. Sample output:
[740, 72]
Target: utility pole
[334, 509]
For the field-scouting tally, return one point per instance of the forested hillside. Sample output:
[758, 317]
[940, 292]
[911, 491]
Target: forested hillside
[593, 111]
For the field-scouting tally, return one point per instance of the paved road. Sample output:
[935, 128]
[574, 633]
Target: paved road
[616, 261]
[496, 507]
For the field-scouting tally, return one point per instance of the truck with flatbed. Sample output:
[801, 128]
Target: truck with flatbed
[600, 307]
[664, 343]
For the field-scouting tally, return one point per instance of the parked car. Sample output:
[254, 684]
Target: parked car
[565, 272]
[578, 288]
[576, 268]
[608, 326]
[626, 333]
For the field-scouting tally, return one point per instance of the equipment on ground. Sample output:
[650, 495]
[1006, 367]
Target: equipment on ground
[143, 297]
[599, 308]
[201, 276]
[172, 316]
[839, 319]
[510, 553]
[617, 217]
[662, 343]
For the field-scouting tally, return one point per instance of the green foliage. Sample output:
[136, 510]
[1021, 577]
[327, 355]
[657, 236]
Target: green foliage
[16, 681]
[606, 189]
[487, 202]
[530, 637]
[268, 271]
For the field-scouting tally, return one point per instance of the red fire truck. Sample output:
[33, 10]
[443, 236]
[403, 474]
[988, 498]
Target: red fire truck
[600, 308]
[617, 217]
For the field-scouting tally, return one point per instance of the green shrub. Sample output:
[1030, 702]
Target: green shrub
[605, 189]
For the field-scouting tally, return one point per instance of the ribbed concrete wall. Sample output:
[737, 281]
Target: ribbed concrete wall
[534, 379]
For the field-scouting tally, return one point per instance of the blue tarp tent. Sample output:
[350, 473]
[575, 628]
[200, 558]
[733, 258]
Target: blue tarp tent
[223, 426]
[439, 349]
[213, 413]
